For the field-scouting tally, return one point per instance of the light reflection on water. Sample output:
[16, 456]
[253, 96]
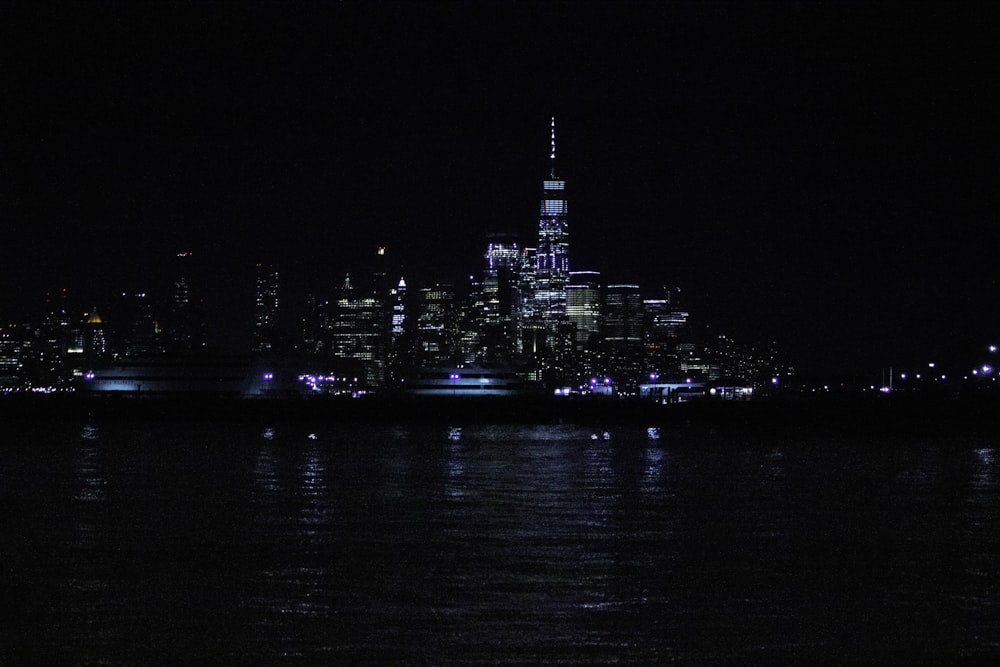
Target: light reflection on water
[506, 544]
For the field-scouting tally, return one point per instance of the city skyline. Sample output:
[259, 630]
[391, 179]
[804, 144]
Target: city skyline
[820, 174]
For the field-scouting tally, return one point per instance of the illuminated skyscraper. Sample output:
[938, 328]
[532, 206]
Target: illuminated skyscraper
[583, 306]
[95, 338]
[501, 301]
[551, 256]
[358, 334]
[397, 297]
[12, 371]
[665, 330]
[265, 334]
[622, 316]
[437, 331]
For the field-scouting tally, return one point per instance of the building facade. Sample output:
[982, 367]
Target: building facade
[583, 307]
[265, 331]
[552, 254]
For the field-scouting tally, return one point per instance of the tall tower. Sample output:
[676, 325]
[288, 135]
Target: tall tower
[551, 256]
[358, 334]
[501, 277]
[583, 306]
[187, 317]
[265, 335]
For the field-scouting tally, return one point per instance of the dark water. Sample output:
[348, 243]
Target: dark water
[274, 543]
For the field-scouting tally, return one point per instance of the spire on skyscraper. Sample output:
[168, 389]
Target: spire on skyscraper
[552, 152]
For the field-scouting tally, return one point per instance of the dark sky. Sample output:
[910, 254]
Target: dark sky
[821, 173]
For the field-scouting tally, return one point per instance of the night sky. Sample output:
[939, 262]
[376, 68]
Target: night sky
[821, 174]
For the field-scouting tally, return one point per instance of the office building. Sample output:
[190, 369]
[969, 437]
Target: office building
[583, 307]
[501, 302]
[437, 330]
[265, 330]
[552, 254]
[357, 336]
[186, 329]
[622, 329]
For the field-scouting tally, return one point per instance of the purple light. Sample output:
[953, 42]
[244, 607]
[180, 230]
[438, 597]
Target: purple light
[453, 376]
[268, 377]
[607, 380]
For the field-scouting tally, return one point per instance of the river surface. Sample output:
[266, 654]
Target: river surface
[298, 543]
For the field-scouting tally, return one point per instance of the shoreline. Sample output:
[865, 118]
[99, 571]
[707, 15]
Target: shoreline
[906, 414]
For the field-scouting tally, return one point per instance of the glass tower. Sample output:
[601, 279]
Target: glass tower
[551, 256]
[583, 306]
[266, 309]
[501, 279]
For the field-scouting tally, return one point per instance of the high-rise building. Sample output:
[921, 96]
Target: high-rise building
[552, 256]
[583, 306]
[47, 349]
[312, 320]
[136, 331]
[12, 371]
[527, 317]
[500, 292]
[358, 335]
[622, 316]
[265, 332]
[436, 325]
[622, 323]
[398, 299]
[470, 343]
[187, 329]
[95, 338]
[666, 324]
